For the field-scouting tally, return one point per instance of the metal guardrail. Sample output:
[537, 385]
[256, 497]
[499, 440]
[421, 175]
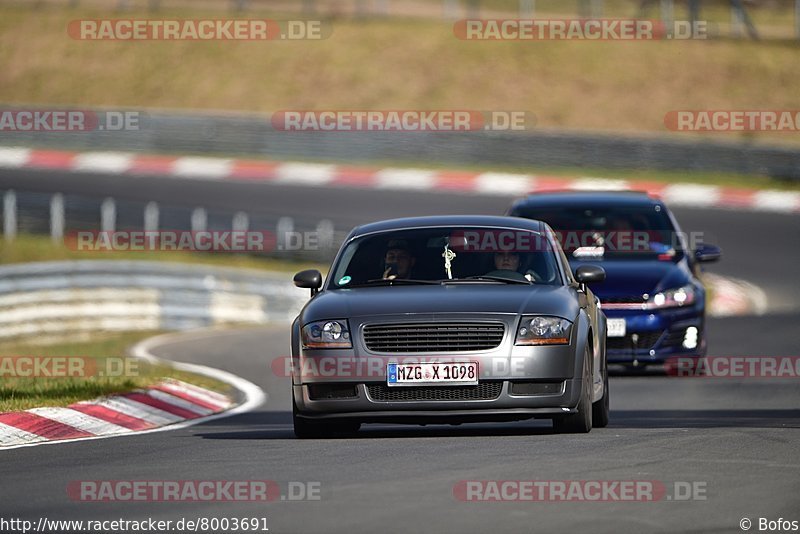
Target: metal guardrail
[171, 132]
[72, 297]
[62, 215]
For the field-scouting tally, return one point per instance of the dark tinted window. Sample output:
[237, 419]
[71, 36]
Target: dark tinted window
[420, 255]
[619, 231]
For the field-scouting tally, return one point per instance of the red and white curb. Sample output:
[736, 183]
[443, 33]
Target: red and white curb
[167, 405]
[734, 297]
[316, 174]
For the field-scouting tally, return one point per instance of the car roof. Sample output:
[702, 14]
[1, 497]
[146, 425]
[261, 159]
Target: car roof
[449, 220]
[588, 199]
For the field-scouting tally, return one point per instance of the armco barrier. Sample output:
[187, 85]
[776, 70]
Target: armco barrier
[172, 132]
[71, 297]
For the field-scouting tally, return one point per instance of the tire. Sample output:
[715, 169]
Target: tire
[600, 408]
[310, 429]
[581, 422]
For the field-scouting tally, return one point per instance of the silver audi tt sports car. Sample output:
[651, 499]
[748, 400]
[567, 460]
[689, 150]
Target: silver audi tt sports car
[449, 319]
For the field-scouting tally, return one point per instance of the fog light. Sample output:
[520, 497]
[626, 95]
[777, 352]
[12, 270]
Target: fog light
[690, 338]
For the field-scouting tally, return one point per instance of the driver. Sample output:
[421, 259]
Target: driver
[398, 260]
[508, 263]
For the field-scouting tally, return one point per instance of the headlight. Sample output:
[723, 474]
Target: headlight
[542, 330]
[333, 334]
[672, 298]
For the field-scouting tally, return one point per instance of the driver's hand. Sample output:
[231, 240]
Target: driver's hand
[387, 276]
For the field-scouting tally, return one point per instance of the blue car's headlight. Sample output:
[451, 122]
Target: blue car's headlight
[332, 334]
[543, 330]
[672, 298]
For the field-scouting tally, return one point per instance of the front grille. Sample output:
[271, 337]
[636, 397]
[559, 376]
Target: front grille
[433, 337]
[646, 340]
[483, 391]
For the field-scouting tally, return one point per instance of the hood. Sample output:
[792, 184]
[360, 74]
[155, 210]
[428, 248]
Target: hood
[631, 277]
[559, 301]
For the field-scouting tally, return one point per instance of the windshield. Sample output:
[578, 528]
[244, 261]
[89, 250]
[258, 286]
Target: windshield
[447, 255]
[614, 231]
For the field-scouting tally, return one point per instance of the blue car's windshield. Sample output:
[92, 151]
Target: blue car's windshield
[447, 254]
[616, 231]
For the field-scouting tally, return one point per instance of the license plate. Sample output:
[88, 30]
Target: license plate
[429, 373]
[616, 327]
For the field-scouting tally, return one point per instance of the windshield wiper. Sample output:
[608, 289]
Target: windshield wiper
[491, 279]
[396, 281]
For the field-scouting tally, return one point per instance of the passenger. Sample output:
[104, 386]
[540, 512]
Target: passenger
[398, 260]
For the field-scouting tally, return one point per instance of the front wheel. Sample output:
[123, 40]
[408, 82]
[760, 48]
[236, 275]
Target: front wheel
[581, 422]
[600, 408]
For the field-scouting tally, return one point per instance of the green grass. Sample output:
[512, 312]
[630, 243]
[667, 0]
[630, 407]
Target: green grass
[21, 393]
[33, 248]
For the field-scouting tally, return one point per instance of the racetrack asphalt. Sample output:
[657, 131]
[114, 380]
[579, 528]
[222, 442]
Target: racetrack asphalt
[738, 439]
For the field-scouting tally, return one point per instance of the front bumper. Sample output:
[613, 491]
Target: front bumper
[652, 337]
[505, 407]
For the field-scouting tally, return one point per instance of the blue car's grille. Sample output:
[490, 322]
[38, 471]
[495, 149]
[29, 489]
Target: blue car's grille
[433, 337]
[645, 340]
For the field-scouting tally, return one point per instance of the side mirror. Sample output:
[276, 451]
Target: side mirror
[707, 253]
[590, 274]
[310, 279]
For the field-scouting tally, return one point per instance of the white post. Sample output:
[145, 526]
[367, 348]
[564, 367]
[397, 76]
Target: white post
[284, 227]
[151, 216]
[325, 234]
[108, 215]
[240, 222]
[57, 218]
[9, 216]
[199, 220]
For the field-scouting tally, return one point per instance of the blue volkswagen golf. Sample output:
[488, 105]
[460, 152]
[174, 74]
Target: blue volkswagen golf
[653, 296]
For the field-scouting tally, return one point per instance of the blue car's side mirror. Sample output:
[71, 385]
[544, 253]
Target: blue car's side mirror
[707, 253]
